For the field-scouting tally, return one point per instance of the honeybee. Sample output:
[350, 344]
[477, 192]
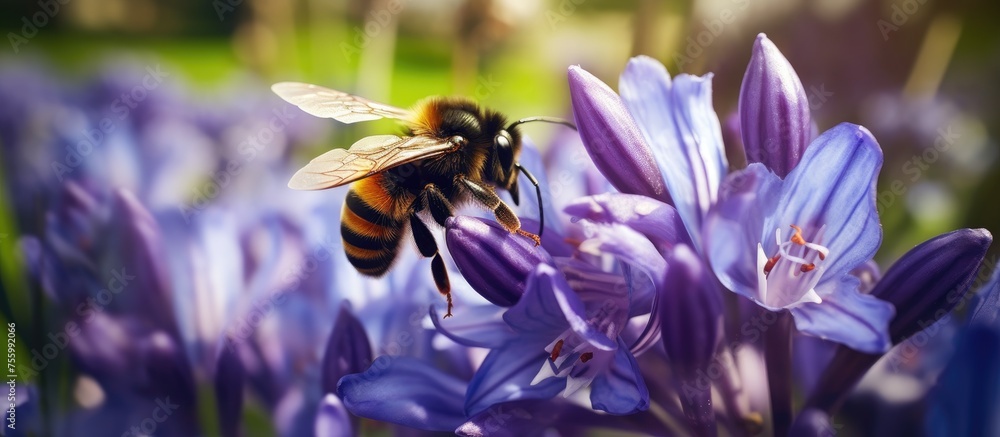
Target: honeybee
[453, 151]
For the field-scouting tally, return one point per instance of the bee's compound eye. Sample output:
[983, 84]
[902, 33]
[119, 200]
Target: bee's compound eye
[457, 141]
[502, 145]
[502, 140]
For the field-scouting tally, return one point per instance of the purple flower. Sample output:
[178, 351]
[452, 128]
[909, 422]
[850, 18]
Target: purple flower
[774, 111]
[752, 236]
[737, 225]
[677, 121]
[499, 277]
[406, 391]
[691, 314]
[611, 137]
[555, 338]
[930, 280]
[347, 351]
[791, 243]
[924, 285]
[561, 343]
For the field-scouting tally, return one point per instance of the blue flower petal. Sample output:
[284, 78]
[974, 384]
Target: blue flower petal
[476, 326]
[630, 247]
[656, 220]
[332, 417]
[732, 230]
[621, 389]
[834, 185]
[347, 350]
[506, 375]
[846, 316]
[602, 293]
[681, 127]
[548, 307]
[405, 391]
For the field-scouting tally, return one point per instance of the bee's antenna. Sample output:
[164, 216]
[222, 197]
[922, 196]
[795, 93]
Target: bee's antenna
[545, 119]
[538, 192]
[538, 188]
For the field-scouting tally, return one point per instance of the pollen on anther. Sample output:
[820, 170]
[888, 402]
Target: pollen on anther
[770, 263]
[807, 267]
[586, 356]
[556, 350]
[797, 236]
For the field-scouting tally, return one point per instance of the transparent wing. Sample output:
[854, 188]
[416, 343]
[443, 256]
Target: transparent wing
[327, 103]
[366, 157]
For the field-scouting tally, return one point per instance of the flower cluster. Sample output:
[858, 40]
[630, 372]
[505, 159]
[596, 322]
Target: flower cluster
[674, 283]
[671, 293]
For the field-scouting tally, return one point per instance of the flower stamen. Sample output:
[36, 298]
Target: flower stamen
[586, 356]
[797, 236]
[785, 248]
[555, 350]
[770, 263]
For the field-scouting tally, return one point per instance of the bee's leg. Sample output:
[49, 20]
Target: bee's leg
[487, 196]
[437, 203]
[425, 240]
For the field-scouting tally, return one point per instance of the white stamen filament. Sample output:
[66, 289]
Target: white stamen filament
[785, 248]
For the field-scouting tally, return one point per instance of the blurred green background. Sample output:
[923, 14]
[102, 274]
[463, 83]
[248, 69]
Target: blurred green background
[909, 70]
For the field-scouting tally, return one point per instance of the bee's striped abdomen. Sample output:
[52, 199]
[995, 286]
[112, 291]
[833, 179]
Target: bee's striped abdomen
[371, 234]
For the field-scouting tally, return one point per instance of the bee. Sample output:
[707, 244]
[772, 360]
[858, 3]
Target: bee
[454, 151]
